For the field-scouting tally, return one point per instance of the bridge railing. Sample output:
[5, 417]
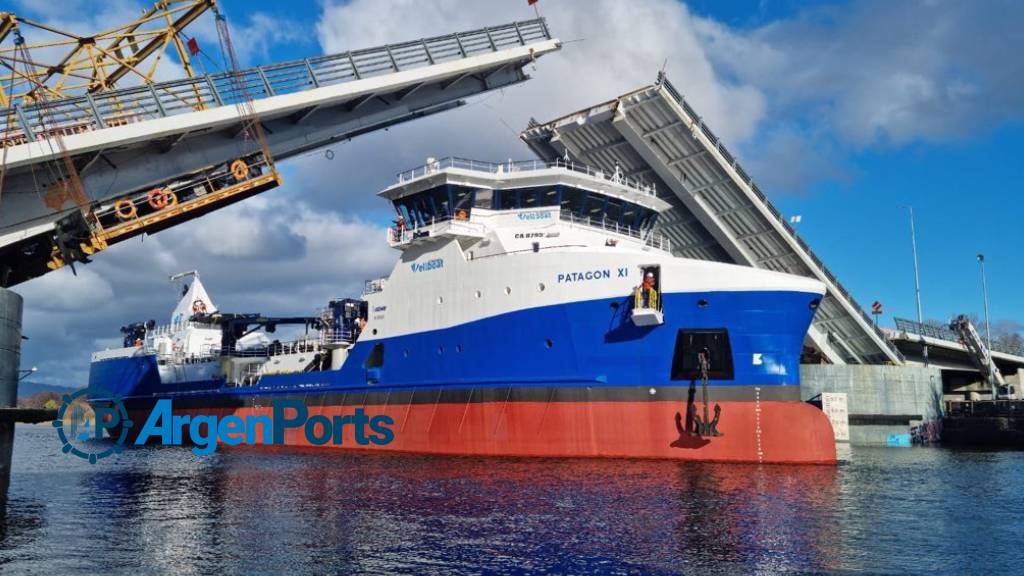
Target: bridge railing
[66, 116]
[943, 333]
[731, 160]
[512, 166]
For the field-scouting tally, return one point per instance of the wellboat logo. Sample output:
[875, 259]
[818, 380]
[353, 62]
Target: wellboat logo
[435, 264]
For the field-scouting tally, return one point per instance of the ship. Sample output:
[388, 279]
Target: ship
[534, 310]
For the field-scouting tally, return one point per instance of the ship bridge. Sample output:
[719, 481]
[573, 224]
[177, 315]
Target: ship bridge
[440, 198]
[717, 213]
[187, 136]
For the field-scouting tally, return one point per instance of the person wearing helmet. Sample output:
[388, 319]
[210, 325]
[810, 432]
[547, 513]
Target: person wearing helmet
[649, 291]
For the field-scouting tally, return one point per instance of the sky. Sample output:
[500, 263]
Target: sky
[844, 112]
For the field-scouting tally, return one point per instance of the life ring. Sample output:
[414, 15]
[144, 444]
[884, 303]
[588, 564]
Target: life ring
[160, 199]
[198, 307]
[239, 169]
[125, 209]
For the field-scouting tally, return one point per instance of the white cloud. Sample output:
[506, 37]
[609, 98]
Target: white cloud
[879, 73]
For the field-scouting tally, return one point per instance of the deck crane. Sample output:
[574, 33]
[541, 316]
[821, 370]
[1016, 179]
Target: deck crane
[96, 63]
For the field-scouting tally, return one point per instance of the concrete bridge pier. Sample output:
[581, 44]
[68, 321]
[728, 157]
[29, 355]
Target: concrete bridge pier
[10, 358]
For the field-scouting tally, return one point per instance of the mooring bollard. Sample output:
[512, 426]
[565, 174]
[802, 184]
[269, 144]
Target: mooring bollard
[10, 359]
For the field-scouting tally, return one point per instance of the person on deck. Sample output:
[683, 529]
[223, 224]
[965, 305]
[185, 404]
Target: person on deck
[648, 293]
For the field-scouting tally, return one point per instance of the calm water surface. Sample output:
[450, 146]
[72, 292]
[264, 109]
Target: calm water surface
[161, 510]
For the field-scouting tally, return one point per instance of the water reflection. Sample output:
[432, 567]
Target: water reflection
[285, 510]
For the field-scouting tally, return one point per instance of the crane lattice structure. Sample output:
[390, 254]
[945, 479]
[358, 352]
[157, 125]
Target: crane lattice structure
[68, 64]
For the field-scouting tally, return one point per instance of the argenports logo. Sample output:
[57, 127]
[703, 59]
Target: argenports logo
[79, 425]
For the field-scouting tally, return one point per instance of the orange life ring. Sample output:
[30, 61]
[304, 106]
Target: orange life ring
[160, 199]
[239, 169]
[125, 209]
[198, 307]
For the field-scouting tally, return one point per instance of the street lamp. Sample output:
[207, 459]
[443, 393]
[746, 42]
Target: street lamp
[22, 374]
[917, 281]
[917, 275]
[984, 294]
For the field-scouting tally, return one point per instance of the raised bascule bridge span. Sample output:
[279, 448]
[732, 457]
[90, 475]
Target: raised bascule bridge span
[155, 155]
[718, 212]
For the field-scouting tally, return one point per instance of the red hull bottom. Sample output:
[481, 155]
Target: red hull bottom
[788, 432]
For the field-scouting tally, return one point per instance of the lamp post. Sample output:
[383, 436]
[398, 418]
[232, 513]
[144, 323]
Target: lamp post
[22, 374]
[917, 281]
[984, 295]
[917, 275]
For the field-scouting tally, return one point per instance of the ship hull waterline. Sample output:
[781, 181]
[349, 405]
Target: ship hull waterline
[495, 424]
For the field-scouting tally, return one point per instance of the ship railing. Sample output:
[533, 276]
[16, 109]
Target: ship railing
[337, 336]
[168, 329]
[87, 112]
[302, 346]
[460, 224]
[647, 237]
[513, 166]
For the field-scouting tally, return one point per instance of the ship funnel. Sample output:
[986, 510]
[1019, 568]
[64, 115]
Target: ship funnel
[194, 301]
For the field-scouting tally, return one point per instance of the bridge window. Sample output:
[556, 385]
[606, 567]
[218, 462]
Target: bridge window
[484, 198]
[630, 215]
[594, 207]
[573, 200]
[613, 211]
[439, 196]
[462, 198]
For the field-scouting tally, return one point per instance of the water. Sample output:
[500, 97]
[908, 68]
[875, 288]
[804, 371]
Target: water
[260, 510]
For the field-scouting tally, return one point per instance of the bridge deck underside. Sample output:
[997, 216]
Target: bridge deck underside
[302, 106]
[717, 213]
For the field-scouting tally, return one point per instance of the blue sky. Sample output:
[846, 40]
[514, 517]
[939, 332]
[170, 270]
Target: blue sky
[963, 192]
[843, 112]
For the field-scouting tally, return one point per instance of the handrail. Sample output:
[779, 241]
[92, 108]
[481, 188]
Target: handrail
[397, 236]
[66, 116]
[513, 166]
[943, 333]
[720, 147]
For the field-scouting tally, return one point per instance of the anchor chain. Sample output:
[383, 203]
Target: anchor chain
[706, 426]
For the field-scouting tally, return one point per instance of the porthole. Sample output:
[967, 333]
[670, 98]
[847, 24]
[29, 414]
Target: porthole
[458, 347]
[440, 349]
[508, 289]
[374, 331]
[440, 300]
[478, 294]
[702, 303]
[540, 287]
[405, 353]
[548, 343]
